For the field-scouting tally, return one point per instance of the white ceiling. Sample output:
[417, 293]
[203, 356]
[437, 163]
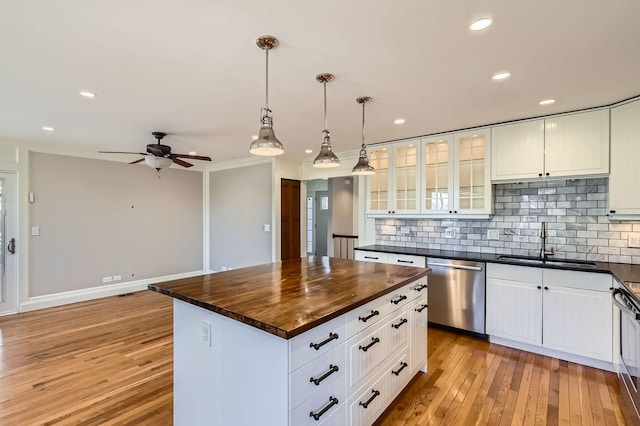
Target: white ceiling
[191, 68]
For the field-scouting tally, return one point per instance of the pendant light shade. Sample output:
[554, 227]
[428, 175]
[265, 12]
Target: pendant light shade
[363, 168]
[267, 144]
[326, 158]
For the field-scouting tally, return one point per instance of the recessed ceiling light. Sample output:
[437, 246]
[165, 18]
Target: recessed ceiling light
[501, 75]
[547, 102]
[399, 121]
[308, 151]
[192, 153]
[480, 24]
[254, 137]
[88, 94]
[48, 128]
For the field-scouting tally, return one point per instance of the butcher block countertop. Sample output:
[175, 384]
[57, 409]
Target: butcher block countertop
[290, 297]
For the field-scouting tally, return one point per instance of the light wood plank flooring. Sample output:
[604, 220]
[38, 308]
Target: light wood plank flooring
[109, 362]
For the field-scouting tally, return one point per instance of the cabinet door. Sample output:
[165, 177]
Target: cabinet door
[472, 172]
[517, 151]
[578, 322]
[577, 144]
[379, 183]
[514, 310]
[419, 326]
[437, 179]
[624, 191]
[405, 179]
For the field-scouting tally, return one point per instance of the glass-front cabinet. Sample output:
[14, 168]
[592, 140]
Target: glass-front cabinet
[472, 172]
[394, 187]
[441, 175]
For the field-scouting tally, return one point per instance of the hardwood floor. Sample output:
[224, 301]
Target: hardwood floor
[109, 362]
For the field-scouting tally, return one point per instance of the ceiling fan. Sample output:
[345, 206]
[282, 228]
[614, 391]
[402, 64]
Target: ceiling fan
[159, 156]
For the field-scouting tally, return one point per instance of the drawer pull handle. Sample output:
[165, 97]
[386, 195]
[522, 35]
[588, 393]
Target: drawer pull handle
[316, 416]
[405, 261]
[332, 369]
[371, 257]
[402, 366]
[398, 325]
[421, 287]
[368, 317]
[317, 346]
[375, 394]
[399, 299]
[374, 340]
[421, 308]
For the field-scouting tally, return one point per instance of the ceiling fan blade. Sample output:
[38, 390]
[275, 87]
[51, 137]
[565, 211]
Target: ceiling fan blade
[120, 152]
[193, 157]
[182, 163]
[137, 161]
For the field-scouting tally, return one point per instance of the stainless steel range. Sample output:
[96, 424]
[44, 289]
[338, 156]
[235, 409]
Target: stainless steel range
[629, 353]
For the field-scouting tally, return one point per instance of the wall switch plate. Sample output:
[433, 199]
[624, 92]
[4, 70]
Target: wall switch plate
[634, 240]
[32, 197]
[35, 230]
[450, 233]
[493, 234]
[117, 278]
[206, 333]
[106, 280]
[266, 227]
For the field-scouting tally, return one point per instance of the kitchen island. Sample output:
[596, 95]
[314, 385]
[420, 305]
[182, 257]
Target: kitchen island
[309, 341]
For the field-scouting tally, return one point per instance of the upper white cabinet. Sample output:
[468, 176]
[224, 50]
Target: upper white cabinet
[624, 192]
[564, 146]
[394, 189]
[437, 160]
[471, 171]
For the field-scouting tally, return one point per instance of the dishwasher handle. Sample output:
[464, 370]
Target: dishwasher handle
[447, 265]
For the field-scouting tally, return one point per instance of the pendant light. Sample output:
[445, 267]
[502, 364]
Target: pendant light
[267, 144]
[363, 168]
[326, 158]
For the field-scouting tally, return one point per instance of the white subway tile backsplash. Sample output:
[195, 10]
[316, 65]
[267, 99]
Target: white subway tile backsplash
[575, 212]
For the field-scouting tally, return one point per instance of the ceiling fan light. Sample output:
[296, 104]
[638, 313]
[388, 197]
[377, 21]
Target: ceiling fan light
[363, 168]
[157, 162]
[326, 159]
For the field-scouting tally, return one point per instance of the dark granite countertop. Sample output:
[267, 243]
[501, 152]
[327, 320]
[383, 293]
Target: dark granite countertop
[627, 274]
[288, 298]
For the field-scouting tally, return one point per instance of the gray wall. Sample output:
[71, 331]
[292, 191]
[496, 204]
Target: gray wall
[578, 227]
[240, 205]
[102, 218]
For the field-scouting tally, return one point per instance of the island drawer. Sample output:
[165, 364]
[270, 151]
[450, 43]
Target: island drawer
[372, 312]
[368, 350]
[317, 375]
[326, 404]
[315, 342]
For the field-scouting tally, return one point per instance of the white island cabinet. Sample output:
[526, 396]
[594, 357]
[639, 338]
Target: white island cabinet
[342, 371]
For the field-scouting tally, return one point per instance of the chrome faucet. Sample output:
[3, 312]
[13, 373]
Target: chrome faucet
[543, 248]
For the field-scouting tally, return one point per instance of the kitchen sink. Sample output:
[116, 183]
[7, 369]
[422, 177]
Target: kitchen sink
[529, 260]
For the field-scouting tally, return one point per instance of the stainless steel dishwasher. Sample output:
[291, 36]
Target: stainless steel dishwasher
[457, 294]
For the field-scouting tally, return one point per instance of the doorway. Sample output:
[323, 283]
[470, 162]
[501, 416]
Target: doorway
[8, 256]
[323, 215]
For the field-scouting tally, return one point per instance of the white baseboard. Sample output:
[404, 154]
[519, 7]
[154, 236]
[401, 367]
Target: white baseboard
[74, 296]
[578, 359]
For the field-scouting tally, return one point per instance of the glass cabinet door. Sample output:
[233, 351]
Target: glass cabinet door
[379, 182]
[472, 179]
[437, 179]
[406, 177]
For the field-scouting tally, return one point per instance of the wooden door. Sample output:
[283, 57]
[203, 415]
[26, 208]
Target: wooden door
[290, 219]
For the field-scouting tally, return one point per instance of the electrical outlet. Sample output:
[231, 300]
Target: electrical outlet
[206, 333]
[450, 233]
[106, 280]
[117, 278]
[223, 268]
[493, 234]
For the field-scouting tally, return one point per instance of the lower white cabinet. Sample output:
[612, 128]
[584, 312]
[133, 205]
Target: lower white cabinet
[566, 311]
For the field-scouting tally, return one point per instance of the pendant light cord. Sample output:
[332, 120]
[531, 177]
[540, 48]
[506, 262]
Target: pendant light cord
[363, 145]
[266, 97]
[325, 104]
